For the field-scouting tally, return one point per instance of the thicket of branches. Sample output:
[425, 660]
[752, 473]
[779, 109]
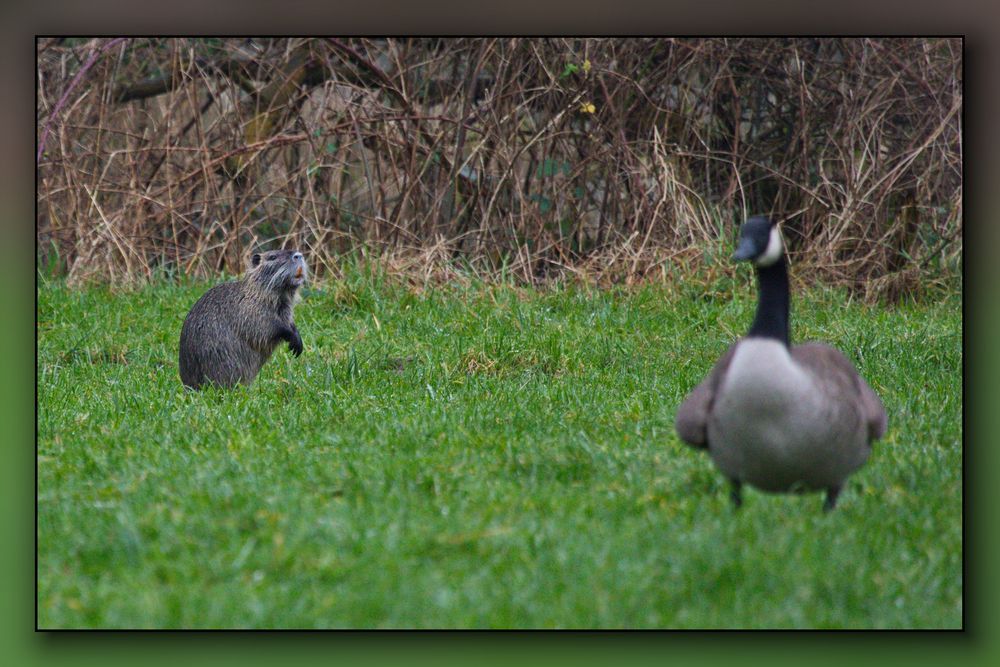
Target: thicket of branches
[533, 156]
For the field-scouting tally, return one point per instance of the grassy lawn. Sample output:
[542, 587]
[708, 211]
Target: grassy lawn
[477, 457]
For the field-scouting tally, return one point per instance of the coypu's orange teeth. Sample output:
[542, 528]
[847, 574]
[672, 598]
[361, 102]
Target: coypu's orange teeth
[298, 273]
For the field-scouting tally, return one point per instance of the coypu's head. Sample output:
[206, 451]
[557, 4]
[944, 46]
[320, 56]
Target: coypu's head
[278, 269]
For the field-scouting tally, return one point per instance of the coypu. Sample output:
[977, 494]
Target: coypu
[234, 327]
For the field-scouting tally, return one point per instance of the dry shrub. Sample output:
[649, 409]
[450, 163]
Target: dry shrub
[526, 158]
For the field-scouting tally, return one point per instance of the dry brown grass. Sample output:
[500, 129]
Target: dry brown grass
[600, 159]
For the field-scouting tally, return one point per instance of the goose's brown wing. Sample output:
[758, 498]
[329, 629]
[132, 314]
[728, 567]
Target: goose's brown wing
[831, 364]
[692, 416]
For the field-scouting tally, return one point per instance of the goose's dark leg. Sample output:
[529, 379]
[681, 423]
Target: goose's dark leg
[831, 498]
[736, 493]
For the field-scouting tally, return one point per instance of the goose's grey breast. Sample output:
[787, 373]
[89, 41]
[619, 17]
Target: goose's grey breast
[778, 426]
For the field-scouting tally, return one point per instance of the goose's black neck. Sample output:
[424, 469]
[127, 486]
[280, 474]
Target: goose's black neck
[771, 320]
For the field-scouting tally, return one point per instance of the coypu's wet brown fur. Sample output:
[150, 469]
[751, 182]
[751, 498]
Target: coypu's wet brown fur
[234, 327]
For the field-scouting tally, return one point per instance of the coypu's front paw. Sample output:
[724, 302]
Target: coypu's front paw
[295, 343]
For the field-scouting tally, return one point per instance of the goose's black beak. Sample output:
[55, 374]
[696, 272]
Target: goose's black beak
[745, 250]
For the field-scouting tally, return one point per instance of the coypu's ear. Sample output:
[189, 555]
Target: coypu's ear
[255, 259]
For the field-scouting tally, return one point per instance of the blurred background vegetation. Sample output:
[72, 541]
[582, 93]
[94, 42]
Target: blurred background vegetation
[606, 159]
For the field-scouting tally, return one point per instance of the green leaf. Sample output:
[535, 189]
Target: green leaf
[550, 167]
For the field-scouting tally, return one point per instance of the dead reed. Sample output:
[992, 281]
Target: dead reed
[601, 159]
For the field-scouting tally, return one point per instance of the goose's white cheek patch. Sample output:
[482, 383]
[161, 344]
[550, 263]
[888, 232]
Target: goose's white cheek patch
[774, 249]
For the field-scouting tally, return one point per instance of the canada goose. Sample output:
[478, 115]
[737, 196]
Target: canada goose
[779, 417]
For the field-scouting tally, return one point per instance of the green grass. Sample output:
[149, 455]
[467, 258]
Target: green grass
[477, 457]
